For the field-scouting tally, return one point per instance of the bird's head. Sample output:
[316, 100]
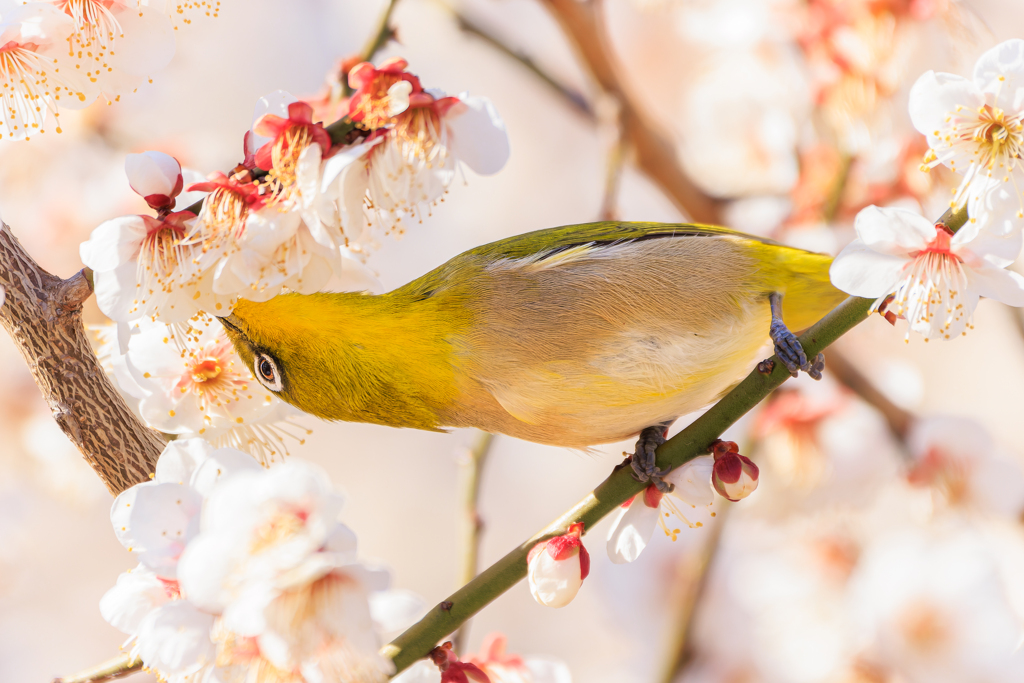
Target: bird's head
[276, 341]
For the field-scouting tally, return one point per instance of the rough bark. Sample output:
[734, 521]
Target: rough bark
[43, 315]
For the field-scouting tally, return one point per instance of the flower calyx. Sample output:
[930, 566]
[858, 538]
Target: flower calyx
[734, 476]
[452, 670]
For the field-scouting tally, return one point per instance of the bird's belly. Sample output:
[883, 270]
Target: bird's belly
[625, 382]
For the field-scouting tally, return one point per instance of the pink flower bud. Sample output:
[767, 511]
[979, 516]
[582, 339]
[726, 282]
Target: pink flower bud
[454, 671]
[156, 177]
[734, 476]
[557, 568]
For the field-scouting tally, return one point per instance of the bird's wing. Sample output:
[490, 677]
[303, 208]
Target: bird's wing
[543, 248]
[549, 242]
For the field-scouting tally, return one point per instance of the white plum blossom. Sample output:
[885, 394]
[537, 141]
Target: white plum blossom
[195, 384]
[959, 460]
[144, 265]
[631, 531]
[258, 238]
[557, 567]
[933, 276]
[116, 44]
[424, 137]
[273, 561]
[33, 48]
[976, 127]
[245, 574]
[932, 604]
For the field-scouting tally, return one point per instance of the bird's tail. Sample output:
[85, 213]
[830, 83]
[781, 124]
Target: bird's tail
[802, 278]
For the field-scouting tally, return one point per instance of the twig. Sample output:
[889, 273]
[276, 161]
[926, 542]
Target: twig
[43, 315]
[572, 97]
[109, 670]
[835, 197]
[613, 175]
[472, 524]
[655, 152]
[448, 616]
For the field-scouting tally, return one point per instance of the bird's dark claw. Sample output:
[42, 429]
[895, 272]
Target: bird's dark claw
[788, 347]
[643, 458]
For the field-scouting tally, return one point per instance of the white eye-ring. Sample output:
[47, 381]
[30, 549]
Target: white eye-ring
[266, 372]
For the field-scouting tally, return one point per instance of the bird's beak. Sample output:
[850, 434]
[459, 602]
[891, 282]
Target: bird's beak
[232, 323]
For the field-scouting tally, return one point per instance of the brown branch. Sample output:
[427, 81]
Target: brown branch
[583, 23]
[898, 419]
[43, 315]
[122, 665]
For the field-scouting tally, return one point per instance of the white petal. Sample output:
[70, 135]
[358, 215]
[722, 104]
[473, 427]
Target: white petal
[203, 571]
[479, 137]
[355, 276]
[862, 271]
[152, 173]
[554, 583]
[137, 593]
[546, 670]
[147, 45]
[997, 283]
[156, 522]
[175, 639]
[113, 243]
[693, 481]
[398, 97]
[632, 531]
[396, 610]
[179, 460]
[222, 463]
[1001, 70]
[998, 249]
[115, 291]
[187, 199]
[934, 96]
[422, 671]
[893, 230]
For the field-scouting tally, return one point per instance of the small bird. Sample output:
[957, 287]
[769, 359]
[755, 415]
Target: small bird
[573, 336]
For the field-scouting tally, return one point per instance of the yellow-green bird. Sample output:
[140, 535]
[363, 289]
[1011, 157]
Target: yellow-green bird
[572, 336]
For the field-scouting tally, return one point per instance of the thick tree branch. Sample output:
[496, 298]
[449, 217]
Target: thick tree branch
[43, 315]
[616, 489]
[583, 23]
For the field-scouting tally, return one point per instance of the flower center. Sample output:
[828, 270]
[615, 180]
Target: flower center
[28, 85]
[286, 522]
[376, 106]
[282, 180]
[931, 294]
[999, 137]
[206, 370]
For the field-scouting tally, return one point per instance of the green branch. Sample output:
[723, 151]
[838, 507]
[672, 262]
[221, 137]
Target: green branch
[416, 642]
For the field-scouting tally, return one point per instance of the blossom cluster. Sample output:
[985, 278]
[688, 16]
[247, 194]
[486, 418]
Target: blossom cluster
[245, 573]
[57, 54]
[295, 216]
[923, 271]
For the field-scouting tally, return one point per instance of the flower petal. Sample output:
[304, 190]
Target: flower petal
[934, 96]
[893, 230]
[153, 173]
[632, 531]
[136, 593]
[862, 271]
[479, 138]
[997, 283]
[1001, 71]
[692, 481]
[113, 243]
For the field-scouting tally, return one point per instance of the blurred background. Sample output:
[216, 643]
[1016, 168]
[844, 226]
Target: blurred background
[885, 542]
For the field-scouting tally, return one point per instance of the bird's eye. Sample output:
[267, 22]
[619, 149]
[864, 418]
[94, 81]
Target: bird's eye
[266, 372]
